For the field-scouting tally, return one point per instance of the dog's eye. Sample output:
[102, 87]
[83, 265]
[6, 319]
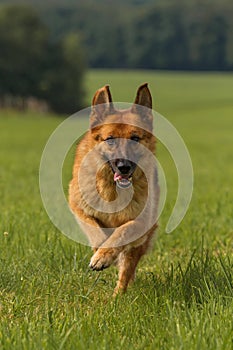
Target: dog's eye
[110, 141]
[135, 138]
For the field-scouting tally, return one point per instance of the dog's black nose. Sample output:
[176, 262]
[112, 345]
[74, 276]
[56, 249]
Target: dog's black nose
[124, 169]
[123, 166]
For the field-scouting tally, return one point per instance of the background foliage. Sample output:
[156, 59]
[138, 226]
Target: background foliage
[46, 45]
[163, 34]
[31, 64]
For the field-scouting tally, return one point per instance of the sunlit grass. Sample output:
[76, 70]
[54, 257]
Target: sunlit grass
[183, 295]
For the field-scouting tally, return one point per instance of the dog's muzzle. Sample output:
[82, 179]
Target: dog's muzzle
[123, 170]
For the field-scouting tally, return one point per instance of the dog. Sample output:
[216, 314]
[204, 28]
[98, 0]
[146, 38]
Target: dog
[114, 168]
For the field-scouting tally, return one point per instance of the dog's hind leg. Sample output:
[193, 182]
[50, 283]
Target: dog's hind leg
[127, 264]
[128, 261]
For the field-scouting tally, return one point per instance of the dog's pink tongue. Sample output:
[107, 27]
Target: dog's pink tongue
[117, 177]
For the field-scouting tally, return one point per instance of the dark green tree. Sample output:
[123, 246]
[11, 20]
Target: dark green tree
[159, 40]
[31, 64]
[23, 41]
[213, 48]
[62, 80]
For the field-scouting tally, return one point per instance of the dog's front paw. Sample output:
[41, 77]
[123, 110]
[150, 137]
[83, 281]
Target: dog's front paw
[103, 258]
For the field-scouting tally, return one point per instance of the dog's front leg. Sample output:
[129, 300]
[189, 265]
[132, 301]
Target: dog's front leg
[107, 253]
[95, 234]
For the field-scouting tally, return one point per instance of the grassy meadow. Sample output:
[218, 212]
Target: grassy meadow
[183, 295]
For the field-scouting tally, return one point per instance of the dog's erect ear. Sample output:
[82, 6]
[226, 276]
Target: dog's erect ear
[101, 96]
[143, 99]
[101, 104]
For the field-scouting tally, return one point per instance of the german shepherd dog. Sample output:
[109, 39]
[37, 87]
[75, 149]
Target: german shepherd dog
[114, 169]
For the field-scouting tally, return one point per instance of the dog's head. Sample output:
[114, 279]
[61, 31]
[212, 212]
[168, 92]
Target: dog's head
[119, 133]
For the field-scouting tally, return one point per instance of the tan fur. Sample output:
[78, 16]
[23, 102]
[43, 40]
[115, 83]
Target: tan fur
[105, 121]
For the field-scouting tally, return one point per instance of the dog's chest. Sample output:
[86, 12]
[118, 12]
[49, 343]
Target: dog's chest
[118, 213]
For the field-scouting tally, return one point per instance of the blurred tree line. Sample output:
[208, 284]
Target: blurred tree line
[46, 46]
[150, 34]
[34, 68]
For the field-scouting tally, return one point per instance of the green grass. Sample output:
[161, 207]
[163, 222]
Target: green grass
[183, 296]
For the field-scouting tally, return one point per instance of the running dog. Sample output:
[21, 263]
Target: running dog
[114, 190]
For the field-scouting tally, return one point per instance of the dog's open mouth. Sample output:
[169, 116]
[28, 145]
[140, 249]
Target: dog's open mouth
[123, 181]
